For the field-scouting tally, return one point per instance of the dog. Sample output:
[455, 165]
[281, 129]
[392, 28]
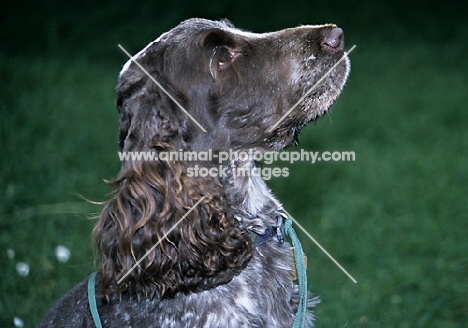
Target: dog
[183, 250]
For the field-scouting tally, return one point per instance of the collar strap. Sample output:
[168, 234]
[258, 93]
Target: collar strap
[284, 227]
[301, 271]
[269, 233]
[92, 300]
[281, 230]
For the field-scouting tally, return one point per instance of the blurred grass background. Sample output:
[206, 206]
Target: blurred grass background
[396, 218]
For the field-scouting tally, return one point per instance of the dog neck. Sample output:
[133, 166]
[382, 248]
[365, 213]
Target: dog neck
[251, 200]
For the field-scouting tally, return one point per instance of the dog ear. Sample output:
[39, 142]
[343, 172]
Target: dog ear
[145, 113]
[155, 223]
[151, 232]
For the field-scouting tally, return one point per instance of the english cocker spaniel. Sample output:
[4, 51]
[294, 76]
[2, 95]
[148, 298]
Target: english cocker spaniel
[205, 250]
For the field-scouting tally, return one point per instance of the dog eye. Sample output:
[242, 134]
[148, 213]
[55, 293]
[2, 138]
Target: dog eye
[224, 56]
[227, 55]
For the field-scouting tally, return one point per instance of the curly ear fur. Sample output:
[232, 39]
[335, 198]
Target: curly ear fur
[206, 249]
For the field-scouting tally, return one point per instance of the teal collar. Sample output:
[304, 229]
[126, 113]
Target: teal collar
[92, 300]
[299, 320]
[301, 271]
[282, 228]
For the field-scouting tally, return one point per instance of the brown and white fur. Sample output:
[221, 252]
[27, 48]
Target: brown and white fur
[207, 272]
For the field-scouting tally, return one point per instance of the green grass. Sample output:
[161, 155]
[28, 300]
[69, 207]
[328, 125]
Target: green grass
[58, 132]
[396, 218]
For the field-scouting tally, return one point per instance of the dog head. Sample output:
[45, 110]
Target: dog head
[237, 85]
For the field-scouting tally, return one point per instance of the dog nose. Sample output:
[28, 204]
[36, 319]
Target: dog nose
[333, 40]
